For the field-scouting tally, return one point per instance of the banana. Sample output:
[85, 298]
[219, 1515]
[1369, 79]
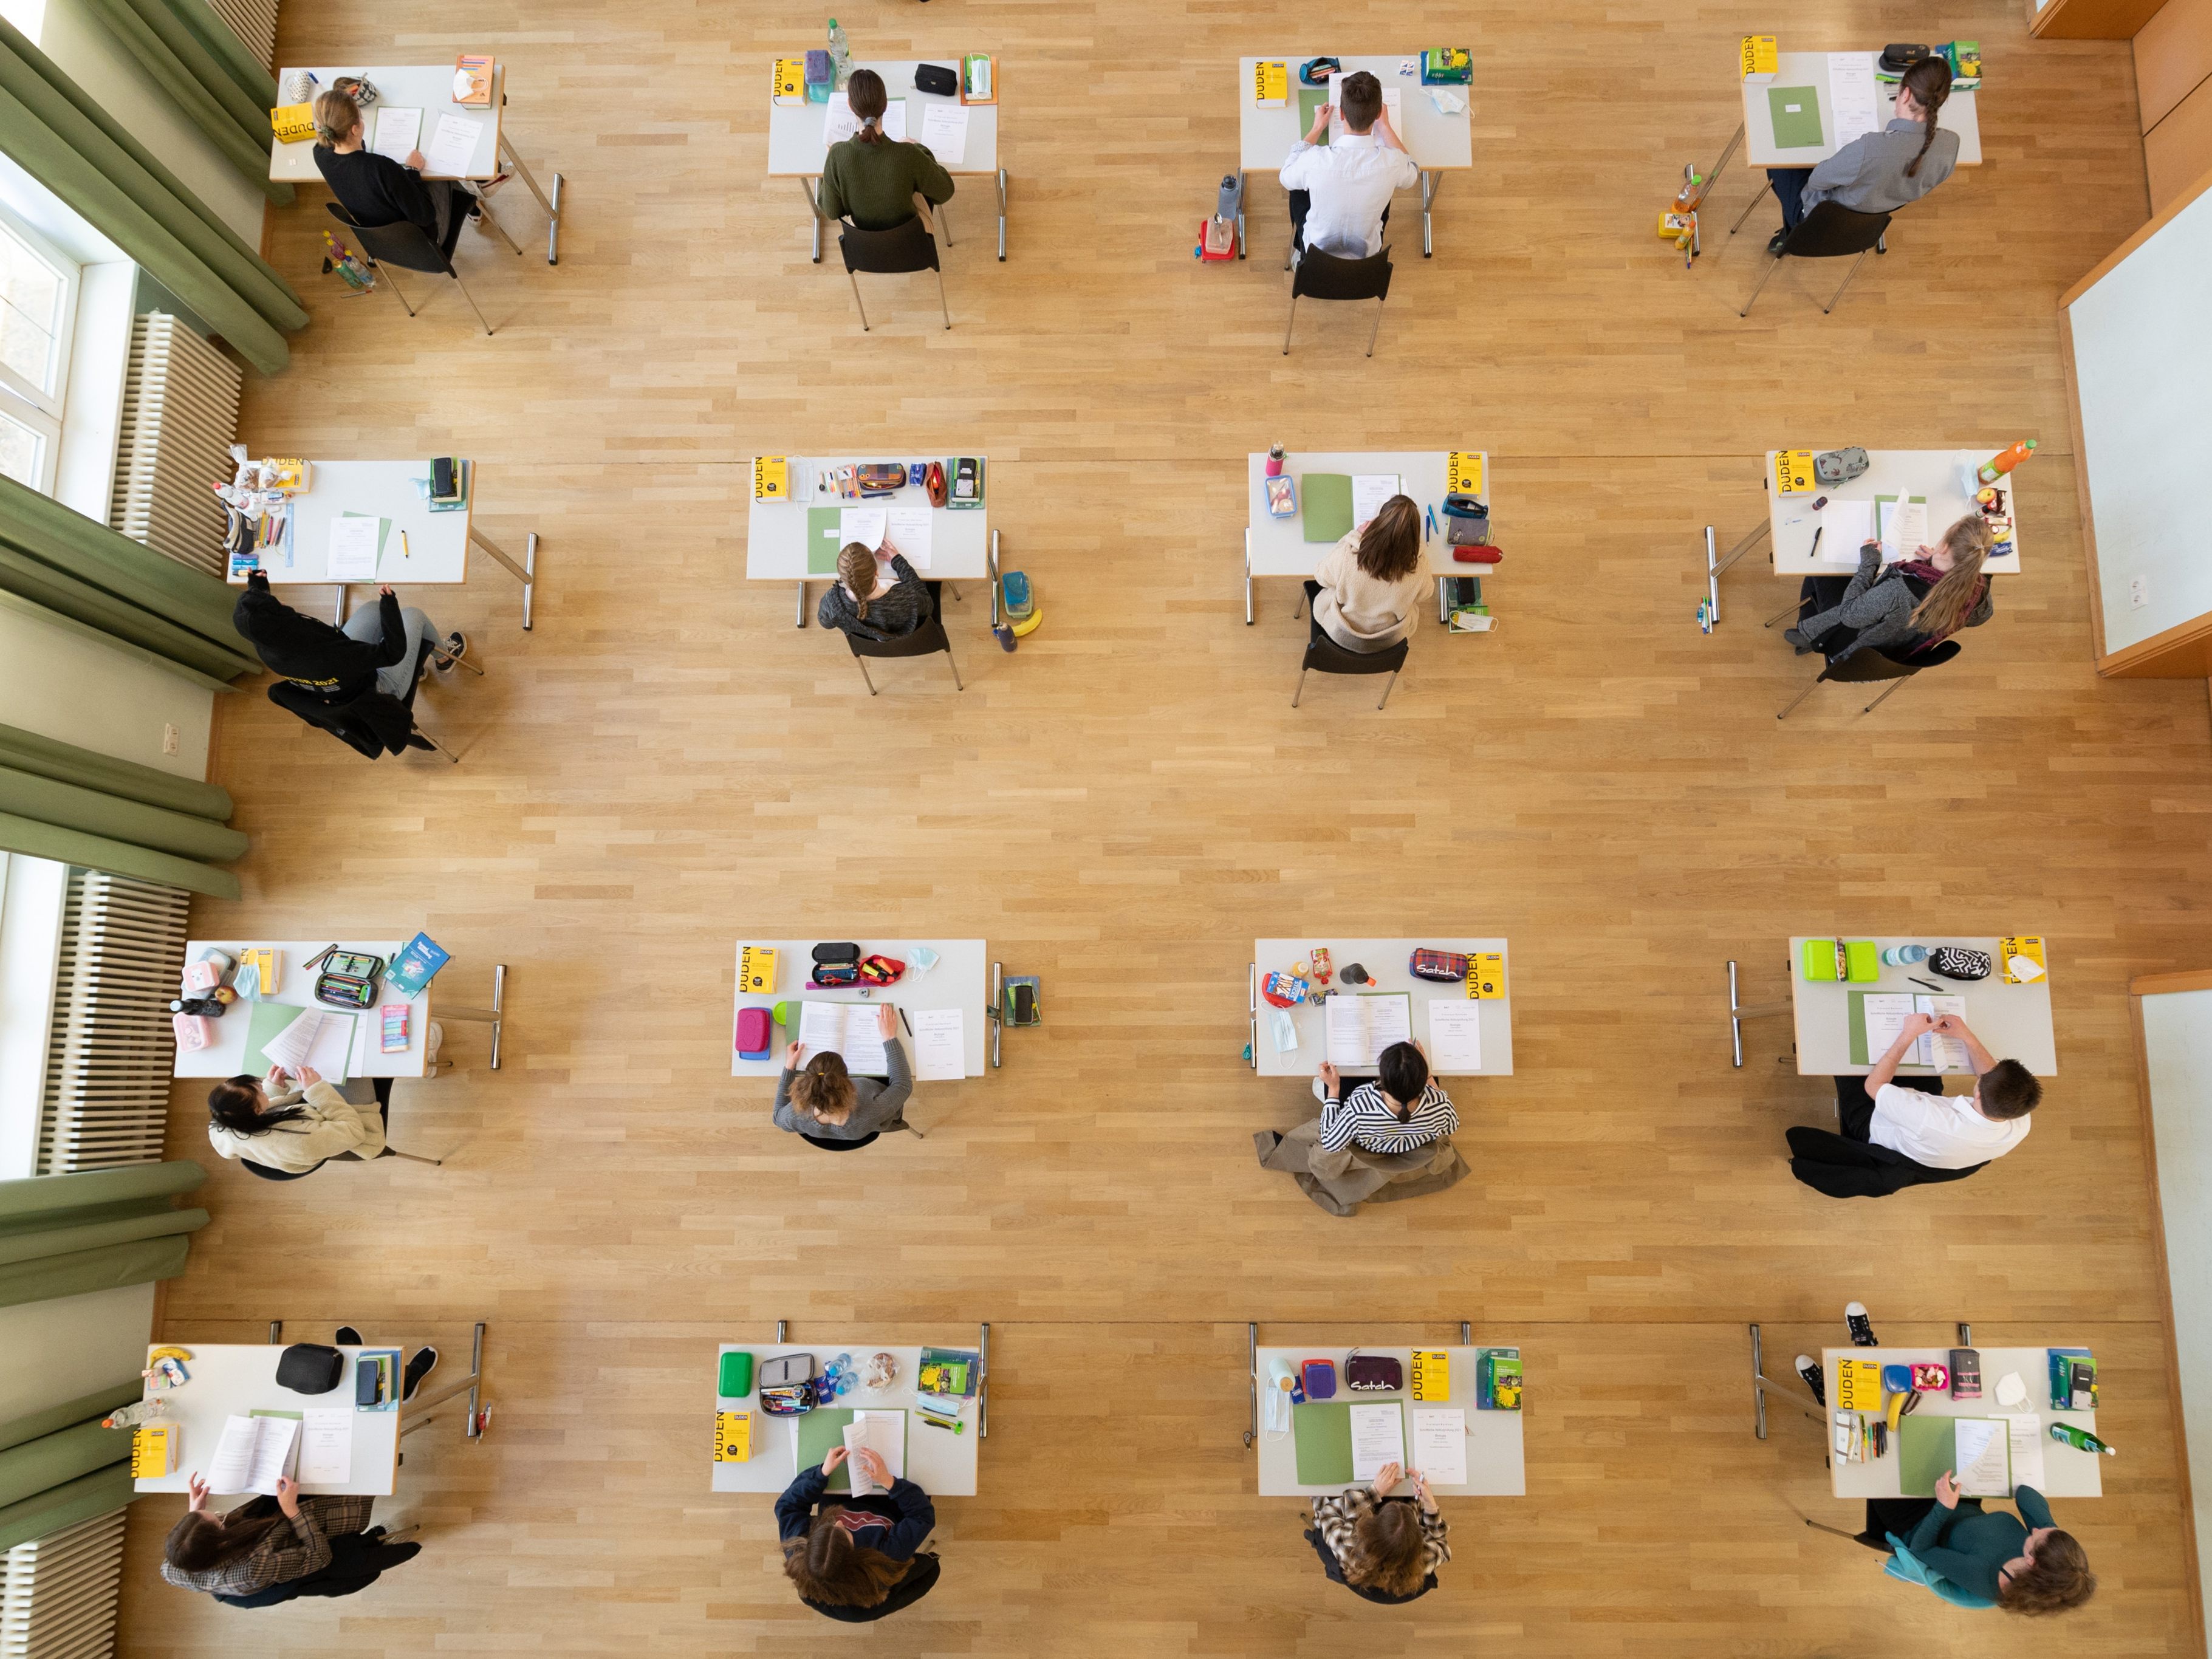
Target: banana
[1896, 1411]
[167, 1352]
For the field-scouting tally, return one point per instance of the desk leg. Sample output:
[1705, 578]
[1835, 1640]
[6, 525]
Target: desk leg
[1738, 1013]
[551, 205]
[1713, 177]
[1252, 1010]
[813, 215]
[1247, 578]
[525, 573]
[982, 1381]
[1717, 565]
[1240, 229]
[1466, 1334]
[1430, 183]
[1760, 1382]
[1252, 1377]
[341, 603]
[994, 1015]
[425, 1411]
[994, 578]
[1002, 215]
[800, 620]
[493, 1016]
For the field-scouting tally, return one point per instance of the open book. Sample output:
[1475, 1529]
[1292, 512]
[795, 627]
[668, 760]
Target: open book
[1359, 1027]
[844, 1028]
[1886, 1014]
[253, 1452]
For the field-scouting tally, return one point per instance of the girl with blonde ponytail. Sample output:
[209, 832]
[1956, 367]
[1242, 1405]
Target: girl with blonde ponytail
[1913, 606]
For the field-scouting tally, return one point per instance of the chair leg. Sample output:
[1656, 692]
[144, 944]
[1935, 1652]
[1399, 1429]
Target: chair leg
[909, 1128]
[1291, 325]
[1387, 685]
[436, 744]
[1846, 283]
[412, 1158]
[1757, 197]
[385, 272]
[1838, 1531]
[1794, 606]
[470, 298]
[955, 586]
[1892, 686]
[955, 667]
[867, 676]
[475, 668]
[856, 281]
[1301, 690]
[1377, 329]
[1772, 265]
[943, 221]
[941, 305]
[1802, 696]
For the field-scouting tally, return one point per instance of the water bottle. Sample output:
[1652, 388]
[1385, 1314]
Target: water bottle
[1905, 956]
[2081, 1439]
[841, 56]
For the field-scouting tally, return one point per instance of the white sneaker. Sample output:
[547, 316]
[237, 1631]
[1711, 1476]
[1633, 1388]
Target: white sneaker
[430, 1050]
[1320, 1093]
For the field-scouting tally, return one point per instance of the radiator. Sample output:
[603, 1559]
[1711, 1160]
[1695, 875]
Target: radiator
[180, 417]
[110, 1048]
[58, 1593]
[254, 22]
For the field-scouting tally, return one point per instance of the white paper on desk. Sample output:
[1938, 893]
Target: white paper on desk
[319, 1037]
[1454, 1036]
[1392, 106]
[1945, 1054]
[253, 1452]
[326, 1445]
[843, 1028]
[398, 132]
[863, 525]
[1368, 491]
[883, 1433]
[1984, 1453]
[354, 537]
[945, 130]
[839, 123]
[1845, 527]
[1378, 1436]
[2026, 1434]
[1440, 1445]
[452, 151]
[940, 1044]
[1904, 528]
[1359, 1027]
[1885, 1012]
[1852, 101]
[907, 529]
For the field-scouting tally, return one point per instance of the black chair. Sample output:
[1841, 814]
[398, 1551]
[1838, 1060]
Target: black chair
[402, 244]
[925, 641]
[869, 1140]
[904, 248]
[268, 1174]
[1828, 232]
[1318, 276]
[1324, 655]
[1866, 665]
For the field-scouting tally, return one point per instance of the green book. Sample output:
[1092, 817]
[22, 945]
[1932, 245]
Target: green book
[1322, 1433]
[1327, 501]
[1796, 111]
[1309, 99]
[1926, 1446]
[825, 536]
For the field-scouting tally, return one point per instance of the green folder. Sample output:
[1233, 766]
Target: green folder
[270, 1018]
[825, 536]
[1323, 1435]
[821, 1430]
[1796, 111]
[1309, 99]
[1326, 503]
[1926, 1446]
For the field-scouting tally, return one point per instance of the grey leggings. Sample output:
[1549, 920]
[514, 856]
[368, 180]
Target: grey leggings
[367, 625]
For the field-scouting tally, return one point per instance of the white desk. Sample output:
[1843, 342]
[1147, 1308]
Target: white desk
[942, 1463]
[962, 542]
[426, 548]
[1810, 69]
[295, 988]
[2013, 1021]
[1495, 1462]
[2068, 1472]
[1278, 547]
[1939, 474]
[1437, 142]
[958, 980]
[1385, 961]
[234, 1379]
[795, 149]
[429, 88]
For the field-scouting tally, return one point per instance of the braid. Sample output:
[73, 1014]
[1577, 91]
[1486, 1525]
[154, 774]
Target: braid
[1929, 84]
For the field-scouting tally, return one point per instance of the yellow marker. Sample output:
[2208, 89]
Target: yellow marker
[405, 551]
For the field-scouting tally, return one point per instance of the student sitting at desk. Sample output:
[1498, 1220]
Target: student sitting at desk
[871, 179]
[877, 595]
[1913, 606]
[1340, 190]
[277, 1549]
[375, 190]
[822, 1100]
[1400, 1111]
[856, 1558]
[291, 1125]
[1380, 1544]
[2025, 1566]
[1367, 592]
[1881, 170]
[382, 650]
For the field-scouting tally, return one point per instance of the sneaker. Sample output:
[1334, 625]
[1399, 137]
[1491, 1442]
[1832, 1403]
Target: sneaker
[437, 1036]
[1774, 242]
[454, 647]
[348, 1337]
[1861, 1328]
[419, 1365]
[1809, 1368]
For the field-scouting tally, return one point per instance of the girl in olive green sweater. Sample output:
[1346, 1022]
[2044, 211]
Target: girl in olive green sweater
[872, 180]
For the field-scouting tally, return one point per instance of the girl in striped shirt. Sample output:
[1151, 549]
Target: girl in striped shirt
[1400, 1111]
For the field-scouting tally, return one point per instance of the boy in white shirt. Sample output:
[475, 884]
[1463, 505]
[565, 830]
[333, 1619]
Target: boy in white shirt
[1912, 1117]
[1340, 192]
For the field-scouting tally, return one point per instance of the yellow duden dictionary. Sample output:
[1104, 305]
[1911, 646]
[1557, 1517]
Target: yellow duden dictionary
[1463, 472]
[757, 970]
[1271, 84]
[733, 1437]
[1431, 1375]
[1761, 57]
[771, 478]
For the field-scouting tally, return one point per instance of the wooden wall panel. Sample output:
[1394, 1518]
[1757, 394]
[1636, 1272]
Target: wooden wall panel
[2174, 55]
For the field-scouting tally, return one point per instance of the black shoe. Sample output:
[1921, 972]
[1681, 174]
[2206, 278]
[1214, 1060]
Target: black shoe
[348, 1337]
[425, 1361]
[453, 649]
[1861, 1328]
[1774, 242]
[1809, 1368]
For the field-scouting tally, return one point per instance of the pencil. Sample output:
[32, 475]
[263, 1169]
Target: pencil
[405, 551]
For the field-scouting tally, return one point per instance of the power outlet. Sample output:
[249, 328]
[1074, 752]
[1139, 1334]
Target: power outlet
[169, 741]
[2138, 591]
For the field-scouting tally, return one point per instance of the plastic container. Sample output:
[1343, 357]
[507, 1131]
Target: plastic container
[841, 56]
[1905, 956]
[2005, 459]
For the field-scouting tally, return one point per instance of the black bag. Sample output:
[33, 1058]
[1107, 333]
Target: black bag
[935, 77]
[1897, 57]
[1956, 962]
[310, 1367]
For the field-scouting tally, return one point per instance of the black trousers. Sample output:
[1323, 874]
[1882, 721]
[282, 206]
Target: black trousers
[1897, 1515]
[1301, 204]
[1790, 190]
[1855, 1106]
[358, 1559]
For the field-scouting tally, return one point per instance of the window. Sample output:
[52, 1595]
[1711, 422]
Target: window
[38, 308]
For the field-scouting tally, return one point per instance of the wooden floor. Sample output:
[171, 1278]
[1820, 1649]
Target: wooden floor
[665, 765]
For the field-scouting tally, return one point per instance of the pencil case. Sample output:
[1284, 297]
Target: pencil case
[756, 1036]
[836, 964]
[937, 79]
[736, 1379]
[1441, 966]
[1827, 961]
[880, 478]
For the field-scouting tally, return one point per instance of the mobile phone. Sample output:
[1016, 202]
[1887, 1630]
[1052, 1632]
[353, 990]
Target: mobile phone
[441, 480]
[1024, 1004]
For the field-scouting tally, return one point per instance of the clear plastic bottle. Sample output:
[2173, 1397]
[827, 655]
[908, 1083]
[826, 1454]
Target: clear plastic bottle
[841, 56]
[1905, 956]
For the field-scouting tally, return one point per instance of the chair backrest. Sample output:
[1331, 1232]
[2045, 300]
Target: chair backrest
[828, 1145]
[376, 723]
[1325, 656]
[1832, 229]
[1324, 277]
[1865, 665]
[923, 641]
[909, 246]
[401, 243]
[268, 1174]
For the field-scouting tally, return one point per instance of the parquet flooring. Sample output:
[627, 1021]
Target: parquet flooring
[1122, 805]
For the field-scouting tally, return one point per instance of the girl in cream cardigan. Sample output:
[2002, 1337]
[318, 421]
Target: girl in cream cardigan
[291, 1124]
[1367, 594]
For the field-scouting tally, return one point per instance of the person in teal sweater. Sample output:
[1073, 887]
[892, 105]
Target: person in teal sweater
[2025, 1565]
[872, 179]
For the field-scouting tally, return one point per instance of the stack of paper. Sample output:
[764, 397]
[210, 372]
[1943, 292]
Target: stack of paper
[452, 148]
[1440, 1445]
[398, 132]
[907, 527]
[884, 1434]
[940, 1044]
[1378, 1436]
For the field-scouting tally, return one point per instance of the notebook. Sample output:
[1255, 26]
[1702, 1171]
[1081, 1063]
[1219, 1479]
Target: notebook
[1309, 99]
[253, 1452]
[1359, 1027]
[1796, 111]
[1328, 500]
[884, 1434]
[844, 1028]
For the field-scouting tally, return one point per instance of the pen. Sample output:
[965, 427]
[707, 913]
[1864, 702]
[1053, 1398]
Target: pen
[1917, 980]
[1815, 548]
[904, 1021]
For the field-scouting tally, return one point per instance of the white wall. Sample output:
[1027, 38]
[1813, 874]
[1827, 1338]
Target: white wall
[2142, 363]
[2177, 1040]
[51, 1352]
[67, 686]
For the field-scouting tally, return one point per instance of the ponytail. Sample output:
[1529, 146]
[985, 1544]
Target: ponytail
[1929, 81]
[866, 96]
